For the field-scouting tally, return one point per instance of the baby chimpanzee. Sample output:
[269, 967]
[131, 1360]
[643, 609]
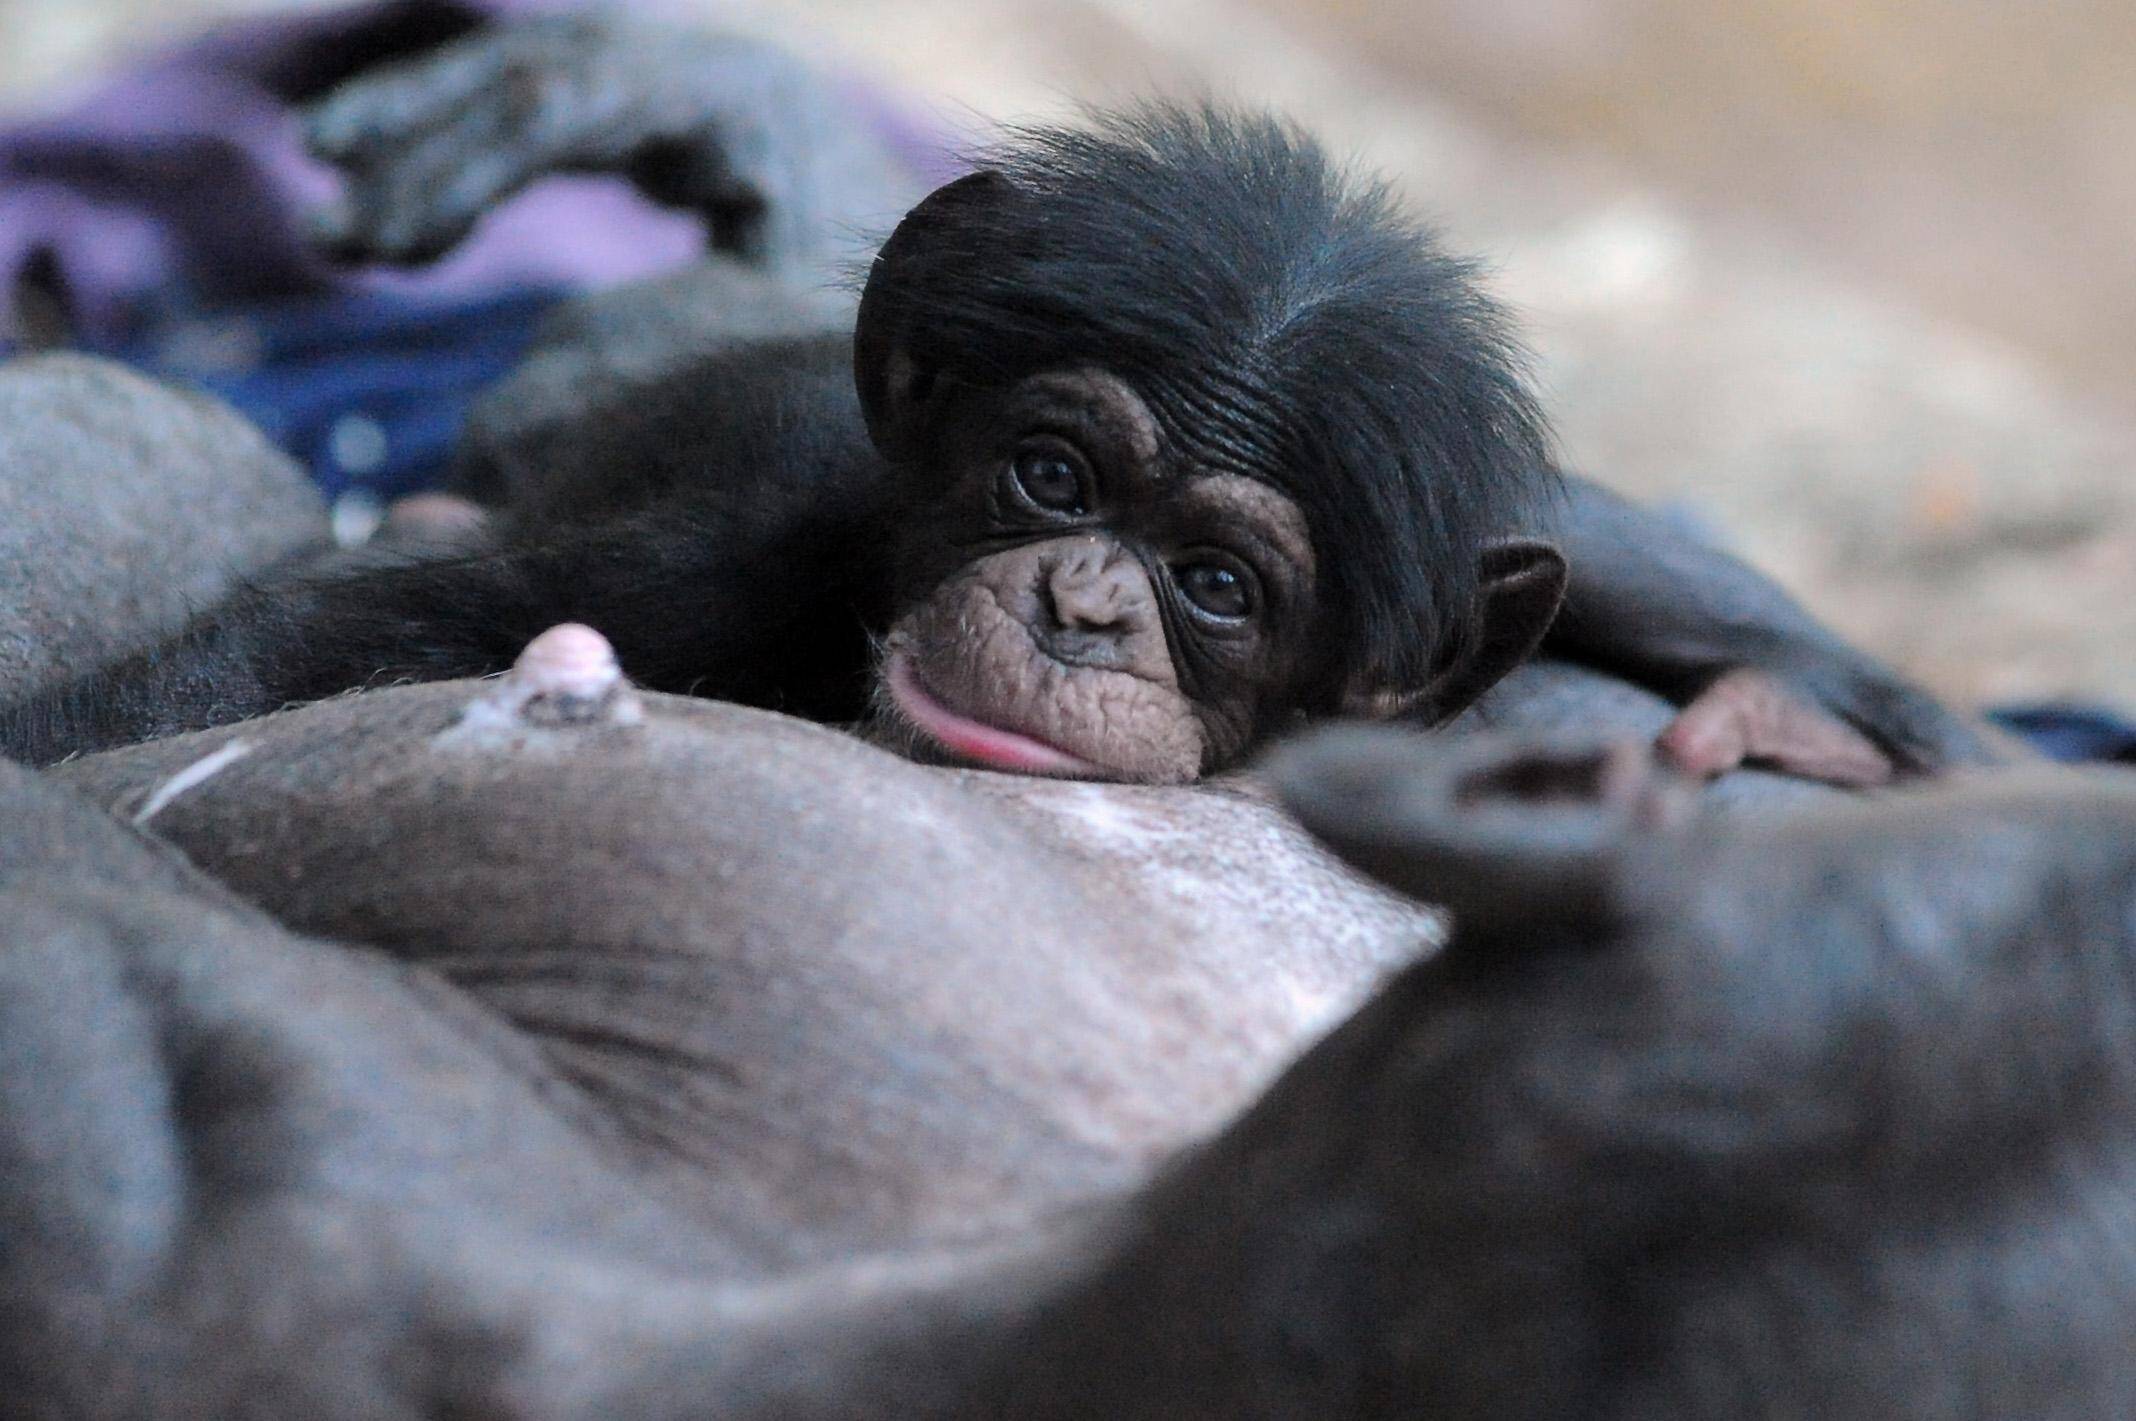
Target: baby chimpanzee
[1151, 438]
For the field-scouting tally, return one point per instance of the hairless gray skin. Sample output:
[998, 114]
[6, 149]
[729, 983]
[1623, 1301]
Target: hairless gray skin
[1825, 1116]
[706, 912]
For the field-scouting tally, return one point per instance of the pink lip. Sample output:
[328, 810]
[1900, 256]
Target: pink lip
[972, 740]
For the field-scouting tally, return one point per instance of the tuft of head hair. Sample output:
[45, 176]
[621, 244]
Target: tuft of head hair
[1285, 320]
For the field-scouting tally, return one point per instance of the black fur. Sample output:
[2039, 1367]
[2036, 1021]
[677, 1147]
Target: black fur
[745, 572]
[729, 525]
[1284, 320]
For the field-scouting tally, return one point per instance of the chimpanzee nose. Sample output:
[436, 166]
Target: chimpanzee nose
[1091, 589]
[1095, 607]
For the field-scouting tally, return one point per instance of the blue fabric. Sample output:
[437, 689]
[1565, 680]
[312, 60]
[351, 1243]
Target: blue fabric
[2071, 733]
[186, 173]
[182, 183]
[369, 390]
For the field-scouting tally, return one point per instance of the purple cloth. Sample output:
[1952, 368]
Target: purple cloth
[166, 208]
[183, 183]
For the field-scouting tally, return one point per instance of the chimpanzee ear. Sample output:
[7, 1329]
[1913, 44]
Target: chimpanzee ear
[1501, 831]
[1520, 586]
[893, 385]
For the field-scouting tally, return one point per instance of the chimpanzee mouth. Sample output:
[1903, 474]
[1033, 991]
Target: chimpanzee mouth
[975, 742]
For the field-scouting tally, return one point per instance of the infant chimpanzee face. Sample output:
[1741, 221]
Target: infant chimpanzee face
[1089, 603]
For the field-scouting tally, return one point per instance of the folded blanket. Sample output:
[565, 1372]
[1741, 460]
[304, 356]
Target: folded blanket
[159, 219]
[179, 187]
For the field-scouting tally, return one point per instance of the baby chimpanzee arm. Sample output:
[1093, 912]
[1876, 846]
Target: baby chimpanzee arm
[760, 610]
[1653, 603]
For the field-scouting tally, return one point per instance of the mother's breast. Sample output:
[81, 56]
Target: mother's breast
[863, 991]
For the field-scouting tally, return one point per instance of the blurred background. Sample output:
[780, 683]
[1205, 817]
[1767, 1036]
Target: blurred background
[1850, 283]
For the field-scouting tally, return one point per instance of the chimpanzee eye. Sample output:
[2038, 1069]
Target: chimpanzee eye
[1218, 586]
[1051, 479]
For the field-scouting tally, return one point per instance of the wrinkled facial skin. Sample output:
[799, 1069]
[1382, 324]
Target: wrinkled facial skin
[1084, 604]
